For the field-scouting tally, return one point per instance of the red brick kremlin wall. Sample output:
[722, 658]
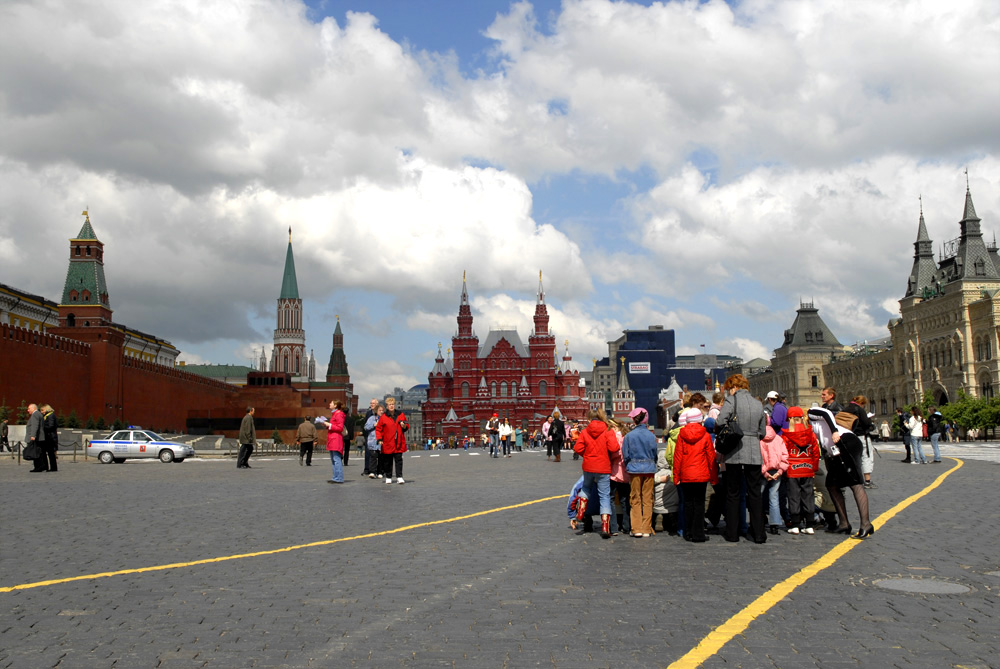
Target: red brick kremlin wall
[94, 378]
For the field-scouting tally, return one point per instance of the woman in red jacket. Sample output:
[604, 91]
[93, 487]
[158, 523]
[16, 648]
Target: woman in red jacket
[390, 433]
[694, 467]
[595, 443]
[335, 439]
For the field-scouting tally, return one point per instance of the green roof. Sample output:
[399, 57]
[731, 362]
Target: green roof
[87, 231]
[85, 275]
[289, 285]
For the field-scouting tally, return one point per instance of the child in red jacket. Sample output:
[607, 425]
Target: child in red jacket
[694, 467]
[803, 462]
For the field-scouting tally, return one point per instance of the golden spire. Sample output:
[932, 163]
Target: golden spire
[86, 212]
[289, 234]
[337, 316]
[622, 359]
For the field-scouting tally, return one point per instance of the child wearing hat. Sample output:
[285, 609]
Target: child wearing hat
[803, 462]
[694, 466]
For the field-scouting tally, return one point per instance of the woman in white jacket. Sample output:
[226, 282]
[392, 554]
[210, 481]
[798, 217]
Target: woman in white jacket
[915, 424]
[506, 436]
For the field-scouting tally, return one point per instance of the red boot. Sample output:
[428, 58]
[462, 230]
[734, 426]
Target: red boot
[605, 525]
[581, 508]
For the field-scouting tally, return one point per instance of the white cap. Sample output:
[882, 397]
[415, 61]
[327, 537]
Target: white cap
[773, 395]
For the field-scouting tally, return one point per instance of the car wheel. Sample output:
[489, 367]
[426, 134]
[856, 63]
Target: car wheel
[166, 455]
[106, 457]
[178, 459]
[118, 461]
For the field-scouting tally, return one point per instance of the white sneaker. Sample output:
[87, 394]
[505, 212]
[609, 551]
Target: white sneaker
[388, 480]
[400, 481]
[380, 476]
[914, 462]
[793, 530]
[371, 476]
[808, 530]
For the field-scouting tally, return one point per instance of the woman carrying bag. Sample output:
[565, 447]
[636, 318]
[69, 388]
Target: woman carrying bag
[744, 462]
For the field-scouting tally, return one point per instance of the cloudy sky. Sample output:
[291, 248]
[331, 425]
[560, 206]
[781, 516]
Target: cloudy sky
[699, 165]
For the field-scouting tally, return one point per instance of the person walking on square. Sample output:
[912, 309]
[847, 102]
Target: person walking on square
[743, 464]
[493, 430]
[903, 431]
[803, 463]
[34, 433]
[596, 442]
[305, 437]
[639, 456]
[506, 432]
[694, 466]
[373, 452]
[390, 432]
[247, 439]
[935, 428]
[50, 426]
[557, 435]
[916, 427]
[335, 435]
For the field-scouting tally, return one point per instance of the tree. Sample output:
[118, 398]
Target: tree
[118, 424]
[926, 402]
[101, 424]
[73, 421]
[91, 423]
[276, 436]
[4, 410]
[22, 413]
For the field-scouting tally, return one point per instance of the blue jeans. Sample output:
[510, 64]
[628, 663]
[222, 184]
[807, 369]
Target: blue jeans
[603, 482]
[494, 444]
[772, 489]
[338, 466]
[918, 452]
[934, 445]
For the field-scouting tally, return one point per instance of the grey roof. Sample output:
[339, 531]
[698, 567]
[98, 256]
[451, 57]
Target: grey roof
[924, 270]
[494, 338]
[808, 329]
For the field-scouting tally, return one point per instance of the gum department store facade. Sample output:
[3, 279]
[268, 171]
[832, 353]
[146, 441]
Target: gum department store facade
[945, 341]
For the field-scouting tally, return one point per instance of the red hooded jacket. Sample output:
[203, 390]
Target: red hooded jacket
[390, 431]
[595, 443]
[694, 456]
[803, 452]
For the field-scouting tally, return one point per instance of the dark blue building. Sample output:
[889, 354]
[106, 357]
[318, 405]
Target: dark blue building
[650, 361]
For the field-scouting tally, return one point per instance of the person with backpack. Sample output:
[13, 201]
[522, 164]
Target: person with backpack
[935, 428]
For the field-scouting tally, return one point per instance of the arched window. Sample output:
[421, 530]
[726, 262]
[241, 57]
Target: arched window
[543, 389]
[284, 366]
[465, 388]
[513, 389]
[503, 389]
[493, 389]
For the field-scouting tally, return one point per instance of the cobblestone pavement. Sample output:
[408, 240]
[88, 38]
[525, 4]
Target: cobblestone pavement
[514, 588]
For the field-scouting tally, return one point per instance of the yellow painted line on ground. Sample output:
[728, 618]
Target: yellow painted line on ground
[274, 551]
[724, 633]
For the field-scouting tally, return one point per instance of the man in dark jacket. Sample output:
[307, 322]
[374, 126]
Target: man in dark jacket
[50, 427]
[247, 439]
[35, 434]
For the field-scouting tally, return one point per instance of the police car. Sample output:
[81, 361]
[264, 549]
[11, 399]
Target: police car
[135, 442]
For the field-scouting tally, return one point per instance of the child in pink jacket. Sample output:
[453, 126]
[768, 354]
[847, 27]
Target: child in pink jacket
[774, 466]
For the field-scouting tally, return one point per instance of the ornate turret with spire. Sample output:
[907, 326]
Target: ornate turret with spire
[624, 396]
[289, 352]
[924, 268]
[85, 294]
[336, 370]
[973, 258]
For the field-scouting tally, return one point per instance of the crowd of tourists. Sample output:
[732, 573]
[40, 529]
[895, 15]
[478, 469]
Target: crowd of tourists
[732, 465]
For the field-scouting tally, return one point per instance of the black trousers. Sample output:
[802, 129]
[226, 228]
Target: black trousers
[387, 461]
[306, 449]
[347, 451]
[694, 510]
[735, 475]
[246, 450]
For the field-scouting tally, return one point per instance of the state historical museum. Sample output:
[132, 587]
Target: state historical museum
[501, 375]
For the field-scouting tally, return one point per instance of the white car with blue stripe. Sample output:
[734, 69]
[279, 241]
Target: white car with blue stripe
[135, 442]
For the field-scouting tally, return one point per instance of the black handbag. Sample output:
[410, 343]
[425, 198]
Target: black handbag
[32, 451]
[728, 435]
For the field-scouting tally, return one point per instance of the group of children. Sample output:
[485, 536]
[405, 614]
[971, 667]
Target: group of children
[795, 491]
